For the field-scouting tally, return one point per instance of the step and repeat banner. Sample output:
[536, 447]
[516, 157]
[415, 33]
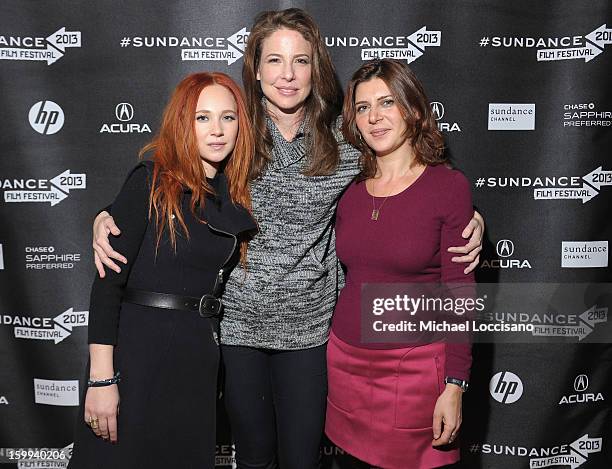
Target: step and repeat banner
[521, 91]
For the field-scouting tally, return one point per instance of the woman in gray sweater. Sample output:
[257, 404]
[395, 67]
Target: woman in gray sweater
[277, 311]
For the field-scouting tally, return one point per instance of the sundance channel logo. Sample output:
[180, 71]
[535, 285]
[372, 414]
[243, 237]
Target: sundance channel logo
[511, 116]
[56, 392]
[584, 254]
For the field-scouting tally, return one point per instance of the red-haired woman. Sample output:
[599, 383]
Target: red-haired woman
[153, 327]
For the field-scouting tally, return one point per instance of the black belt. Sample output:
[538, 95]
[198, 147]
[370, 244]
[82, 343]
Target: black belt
[207, 306]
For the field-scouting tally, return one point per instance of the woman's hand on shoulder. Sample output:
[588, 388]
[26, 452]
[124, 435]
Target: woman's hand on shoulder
[103, 251]
[471, 251]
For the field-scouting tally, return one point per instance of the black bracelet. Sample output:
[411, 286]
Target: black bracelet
[104, 382]
[459, 382]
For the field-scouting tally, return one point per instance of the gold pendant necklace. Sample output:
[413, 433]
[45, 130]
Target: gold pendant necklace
[376, 211]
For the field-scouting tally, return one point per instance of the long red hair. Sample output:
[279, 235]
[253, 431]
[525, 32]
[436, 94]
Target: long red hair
[178, 165]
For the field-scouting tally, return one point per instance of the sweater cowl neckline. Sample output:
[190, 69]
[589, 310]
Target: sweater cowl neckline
[285, 153]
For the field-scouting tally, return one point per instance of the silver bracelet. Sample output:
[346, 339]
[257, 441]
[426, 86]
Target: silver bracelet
[104, 382]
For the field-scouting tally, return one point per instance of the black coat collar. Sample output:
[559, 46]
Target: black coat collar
[221, 213]
[219, 210]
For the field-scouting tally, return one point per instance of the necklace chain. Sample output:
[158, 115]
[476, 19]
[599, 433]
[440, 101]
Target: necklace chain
[376, 211]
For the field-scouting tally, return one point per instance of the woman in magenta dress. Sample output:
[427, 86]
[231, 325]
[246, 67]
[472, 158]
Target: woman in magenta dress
[391, 405]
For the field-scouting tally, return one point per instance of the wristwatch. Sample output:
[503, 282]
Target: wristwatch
[459, 382]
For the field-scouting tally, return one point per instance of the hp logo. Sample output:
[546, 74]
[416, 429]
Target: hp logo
[506, 387]
[46, 117]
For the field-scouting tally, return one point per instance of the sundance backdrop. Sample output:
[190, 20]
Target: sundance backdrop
[521, 91]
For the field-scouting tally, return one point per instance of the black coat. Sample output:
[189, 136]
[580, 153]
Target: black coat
[168, 359]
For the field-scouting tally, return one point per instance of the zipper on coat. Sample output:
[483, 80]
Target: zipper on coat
[219, 280]
[234, 237]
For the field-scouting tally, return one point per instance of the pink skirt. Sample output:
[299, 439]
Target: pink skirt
[380, 404]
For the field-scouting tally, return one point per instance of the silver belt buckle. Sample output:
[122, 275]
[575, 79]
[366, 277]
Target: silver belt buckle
[209, 306]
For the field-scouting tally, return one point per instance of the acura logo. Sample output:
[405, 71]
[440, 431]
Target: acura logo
[124, 112]
[504, 248]
[581, 383]
[437, 109]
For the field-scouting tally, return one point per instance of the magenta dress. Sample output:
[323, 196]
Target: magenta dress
[381, 397]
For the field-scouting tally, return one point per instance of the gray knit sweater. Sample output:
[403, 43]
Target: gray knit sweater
[286, 297]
